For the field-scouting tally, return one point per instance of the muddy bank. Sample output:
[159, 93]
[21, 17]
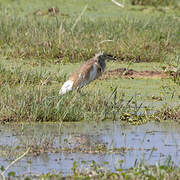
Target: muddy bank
[131, 73]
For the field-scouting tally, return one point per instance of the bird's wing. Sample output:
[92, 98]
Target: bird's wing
[82, 76]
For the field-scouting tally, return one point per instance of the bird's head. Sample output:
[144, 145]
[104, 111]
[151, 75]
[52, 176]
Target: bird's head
[101, 57]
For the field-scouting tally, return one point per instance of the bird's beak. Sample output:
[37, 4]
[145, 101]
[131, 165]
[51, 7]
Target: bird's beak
[110, 57]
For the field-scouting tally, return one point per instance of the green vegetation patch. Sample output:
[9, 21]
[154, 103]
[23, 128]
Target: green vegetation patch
[155, 2]
[140, 171]
[28, 94]
[41, 42]
[41, 104]
[127, 34]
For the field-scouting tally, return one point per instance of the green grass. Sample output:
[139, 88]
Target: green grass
[31, 94]
[155, 2]
[136, 35]
[37, 54]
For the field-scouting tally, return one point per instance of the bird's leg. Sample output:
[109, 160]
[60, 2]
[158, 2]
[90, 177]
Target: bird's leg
[78, 90]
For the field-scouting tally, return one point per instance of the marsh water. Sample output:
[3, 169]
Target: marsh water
[119, 144]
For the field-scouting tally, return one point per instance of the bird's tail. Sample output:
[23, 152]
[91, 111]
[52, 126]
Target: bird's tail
[67, 86]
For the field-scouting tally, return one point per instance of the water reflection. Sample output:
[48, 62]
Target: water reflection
[151, 142]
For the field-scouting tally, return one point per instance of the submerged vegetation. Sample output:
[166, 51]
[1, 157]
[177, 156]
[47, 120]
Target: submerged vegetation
[139, 171]
[95, 171]
[88, 153]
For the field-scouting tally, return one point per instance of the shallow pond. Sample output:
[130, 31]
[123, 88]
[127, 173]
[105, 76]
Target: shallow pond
[56, 146]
